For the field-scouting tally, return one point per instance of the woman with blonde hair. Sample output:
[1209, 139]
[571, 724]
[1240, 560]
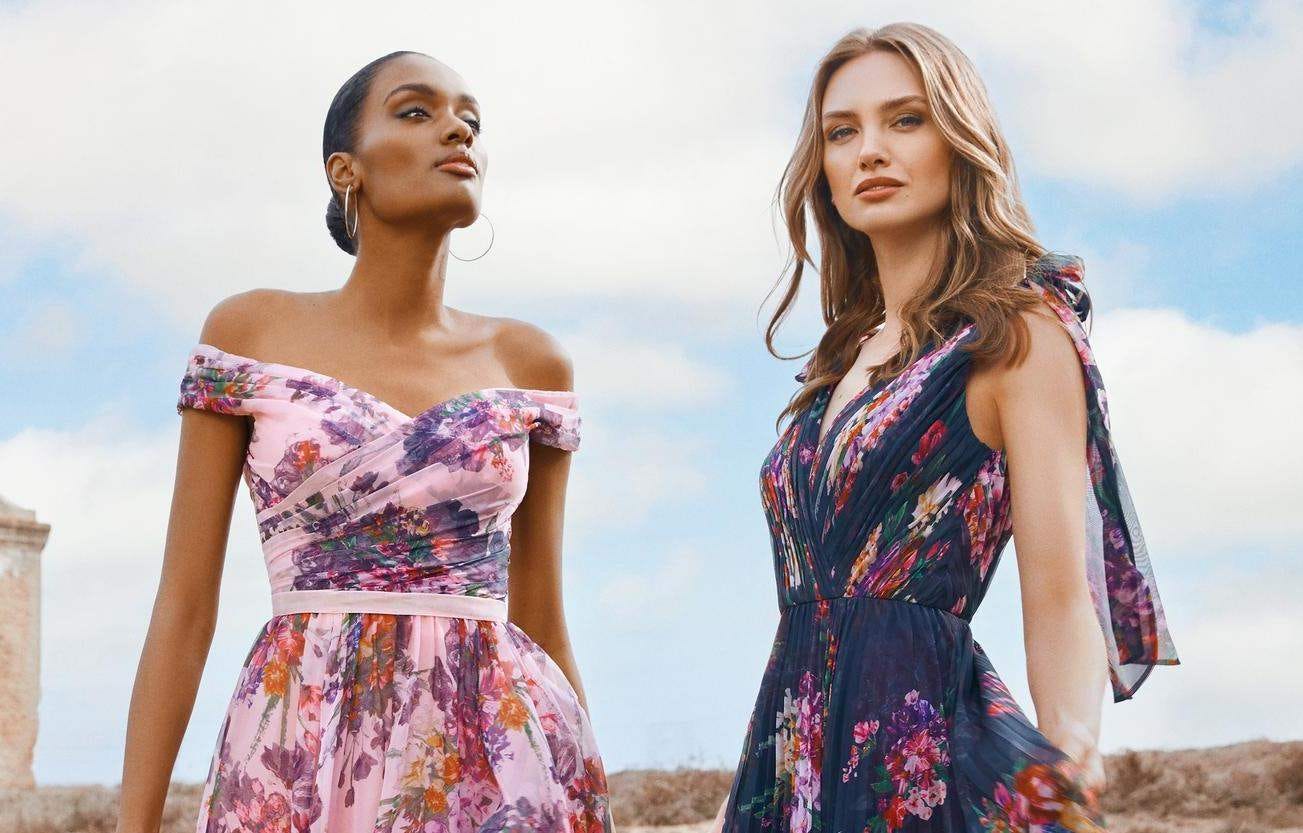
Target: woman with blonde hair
[953, 401]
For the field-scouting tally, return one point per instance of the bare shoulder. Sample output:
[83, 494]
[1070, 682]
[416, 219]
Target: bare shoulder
[1050, 364]
[239, 322]
[532, 355]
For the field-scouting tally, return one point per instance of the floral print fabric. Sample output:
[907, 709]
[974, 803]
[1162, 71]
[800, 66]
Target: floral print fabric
[392, 722]
[877, 710]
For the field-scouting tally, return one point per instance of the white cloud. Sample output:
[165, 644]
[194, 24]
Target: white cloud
[43, 331]
[630, 155]
[652, 375]
[1137, 99]
[622, 475]
[1202, 421]
[1235, 635]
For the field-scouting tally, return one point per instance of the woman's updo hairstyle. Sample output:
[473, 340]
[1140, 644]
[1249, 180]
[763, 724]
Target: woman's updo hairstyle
[340, 134]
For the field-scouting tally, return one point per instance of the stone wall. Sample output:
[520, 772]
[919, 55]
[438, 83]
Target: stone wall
[21, 542]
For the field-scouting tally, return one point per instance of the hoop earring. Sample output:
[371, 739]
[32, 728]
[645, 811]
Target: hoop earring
[353, 231]
[483, 253]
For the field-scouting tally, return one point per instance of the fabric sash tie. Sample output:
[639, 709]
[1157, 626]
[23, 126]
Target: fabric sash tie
[388, 601]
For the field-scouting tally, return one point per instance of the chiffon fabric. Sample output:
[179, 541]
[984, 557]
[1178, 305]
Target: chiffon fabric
[388, 691]
[877, 709]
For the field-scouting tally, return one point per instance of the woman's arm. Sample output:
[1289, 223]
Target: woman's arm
[534, 580]
[209, 462]
[1042, 415]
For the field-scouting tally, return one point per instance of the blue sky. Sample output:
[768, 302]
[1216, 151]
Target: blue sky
[632, 162]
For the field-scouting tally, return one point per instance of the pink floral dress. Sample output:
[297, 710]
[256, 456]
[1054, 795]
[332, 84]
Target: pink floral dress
[388, 691]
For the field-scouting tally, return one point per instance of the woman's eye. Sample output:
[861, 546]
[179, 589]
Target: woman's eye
[836, 132]
[917, 119]
[474, 123]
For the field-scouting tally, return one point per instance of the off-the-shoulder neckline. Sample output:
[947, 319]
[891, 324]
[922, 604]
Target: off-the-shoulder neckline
[210, 349]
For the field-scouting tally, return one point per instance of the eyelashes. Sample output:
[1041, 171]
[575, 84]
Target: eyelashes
[475, 124]
[832, 136]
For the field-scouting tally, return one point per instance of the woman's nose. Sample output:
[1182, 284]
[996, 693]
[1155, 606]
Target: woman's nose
[460, 131]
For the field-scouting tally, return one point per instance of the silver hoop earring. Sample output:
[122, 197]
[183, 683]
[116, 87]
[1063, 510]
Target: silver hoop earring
[353, 231]
[483, 253]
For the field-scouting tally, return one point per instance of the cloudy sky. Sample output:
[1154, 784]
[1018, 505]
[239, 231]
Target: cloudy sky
[158, 158]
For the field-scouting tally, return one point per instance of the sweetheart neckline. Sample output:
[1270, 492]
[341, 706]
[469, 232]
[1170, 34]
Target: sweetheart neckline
[210, 348]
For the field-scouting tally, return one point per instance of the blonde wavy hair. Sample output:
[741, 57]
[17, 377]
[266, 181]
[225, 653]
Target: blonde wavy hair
[987, 247]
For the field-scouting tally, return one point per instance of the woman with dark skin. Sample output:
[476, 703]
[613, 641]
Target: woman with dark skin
[408, 168]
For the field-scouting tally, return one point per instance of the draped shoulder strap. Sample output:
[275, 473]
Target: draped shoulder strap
[556, 420]
[1122, 584]
[218, 381]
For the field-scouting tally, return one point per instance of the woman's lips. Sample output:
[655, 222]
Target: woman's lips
[879, 192]
[460, 168]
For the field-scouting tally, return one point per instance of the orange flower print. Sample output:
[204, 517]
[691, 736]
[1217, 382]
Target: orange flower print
[275, 678]
[512, 713]
[451, 767]
[435, 800]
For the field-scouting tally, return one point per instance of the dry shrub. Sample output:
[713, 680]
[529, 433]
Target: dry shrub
[88, 809]
[1287, 775]
[662, 797]
[1127, 773]
[1144, 781]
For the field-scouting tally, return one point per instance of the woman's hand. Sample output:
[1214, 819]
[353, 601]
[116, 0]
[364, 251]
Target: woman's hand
[1087, 763]
[1093, 771]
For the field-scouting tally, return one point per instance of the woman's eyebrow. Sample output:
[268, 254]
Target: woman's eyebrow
[427, 90]
[889, 104]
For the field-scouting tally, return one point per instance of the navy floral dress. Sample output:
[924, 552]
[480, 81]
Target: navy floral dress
[877, 709]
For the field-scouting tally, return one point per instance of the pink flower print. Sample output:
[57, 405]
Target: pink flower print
[916, 804]
[936, 793]
[852, 763]
[798, 744]
[920, 753]
[1012, 805]
[863, 729]
[806, 454]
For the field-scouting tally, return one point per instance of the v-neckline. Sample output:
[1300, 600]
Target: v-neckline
[819, 434]
[821, 458]
[375, 400]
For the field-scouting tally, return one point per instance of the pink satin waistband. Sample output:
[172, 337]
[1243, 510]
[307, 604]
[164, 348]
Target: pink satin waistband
[388, 601]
